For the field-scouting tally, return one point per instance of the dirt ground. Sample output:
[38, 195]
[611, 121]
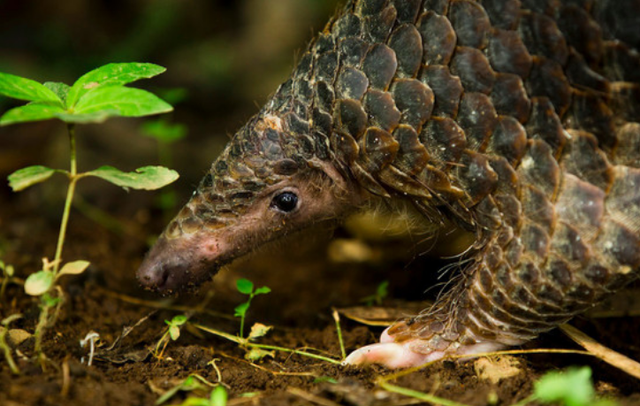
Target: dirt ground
[304, 272]
[305, 285]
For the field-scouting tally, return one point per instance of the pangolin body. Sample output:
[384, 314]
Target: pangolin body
[517, 119]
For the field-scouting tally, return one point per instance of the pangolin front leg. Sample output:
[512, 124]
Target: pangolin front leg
[518, 120]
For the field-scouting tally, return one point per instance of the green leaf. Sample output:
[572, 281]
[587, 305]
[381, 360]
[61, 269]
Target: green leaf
[73, 268]
[128, 102]
[25, 177]
[38, 283]
[30, 112]
[97, 117]
[178, 320]
[241, 309]
[258, 330]
[48, 300]
[218, 396]
[25, 89]
[148, 177]
[60, 89]
[164, 131]
[256, 354]
[262, 291]
[572, 387]
[244, 286]
[174, 332]
[113, 74]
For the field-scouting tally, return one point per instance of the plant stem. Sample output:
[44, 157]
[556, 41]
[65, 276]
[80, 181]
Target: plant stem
[70, 192]
[42, 323]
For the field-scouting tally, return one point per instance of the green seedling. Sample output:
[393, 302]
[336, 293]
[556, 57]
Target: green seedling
[4, 346]
[172, 332]
[377, 298]
[7, 274]
[191, 383]
[94, 97]
[218, 397]
[572, 387]
[246, 287]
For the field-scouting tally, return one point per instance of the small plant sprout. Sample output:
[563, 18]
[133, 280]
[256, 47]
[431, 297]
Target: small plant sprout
[572, 387]
[191, 383]
[4, 346]
[172, 332]
[245, 286]
[381, 293]
[7, 274]
[93, 98]
[89, 339]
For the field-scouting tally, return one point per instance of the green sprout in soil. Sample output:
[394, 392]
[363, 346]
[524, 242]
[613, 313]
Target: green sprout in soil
[4, 346]
[7, 275]
[382, 292]
[256, 351]
[94, 97]
[172, 332]
[217, 397]
[572, 387]
[245, 286]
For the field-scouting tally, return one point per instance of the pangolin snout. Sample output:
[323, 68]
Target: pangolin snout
[173, 265]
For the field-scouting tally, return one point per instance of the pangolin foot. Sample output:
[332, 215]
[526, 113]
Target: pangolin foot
[399, 351]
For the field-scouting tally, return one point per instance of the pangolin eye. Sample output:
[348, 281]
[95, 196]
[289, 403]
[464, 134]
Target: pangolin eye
[285, 202]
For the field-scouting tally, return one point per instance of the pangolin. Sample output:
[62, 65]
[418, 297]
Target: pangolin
[518, 120]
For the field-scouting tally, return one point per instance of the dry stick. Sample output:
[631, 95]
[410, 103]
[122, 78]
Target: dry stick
[598, 350]
[336, 317]
[310, 397]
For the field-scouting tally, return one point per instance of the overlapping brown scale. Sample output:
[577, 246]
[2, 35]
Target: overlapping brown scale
[509, 140]
[585, 160]
[380, 66]
[414, 99]
[503, 14]
[542, 37]
[351, 83]
[370, 7]
[508, 54]
[412, 155]
[378, 149]
[621, 63]
[509, 97]
[539, 168]
[581, 32]
[470, 22]
[628, 151]
[623, 199]
[537, 207]
[548, 7]
[580, 75]
[352, 51]
[447, 89]
[478, 118]
[544, 124]
[625, 101]
[474, 70]
[381, 109]
[407, 10]
[475, 176]
[350, 117]
[377, 27]
[406, 42]
[444, 140]
[589, 112]
[547, 79]
[438, 38]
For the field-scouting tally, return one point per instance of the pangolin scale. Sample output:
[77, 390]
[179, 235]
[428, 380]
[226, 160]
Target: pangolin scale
[519, 120]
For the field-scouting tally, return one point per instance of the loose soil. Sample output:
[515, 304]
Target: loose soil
[306, 284]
